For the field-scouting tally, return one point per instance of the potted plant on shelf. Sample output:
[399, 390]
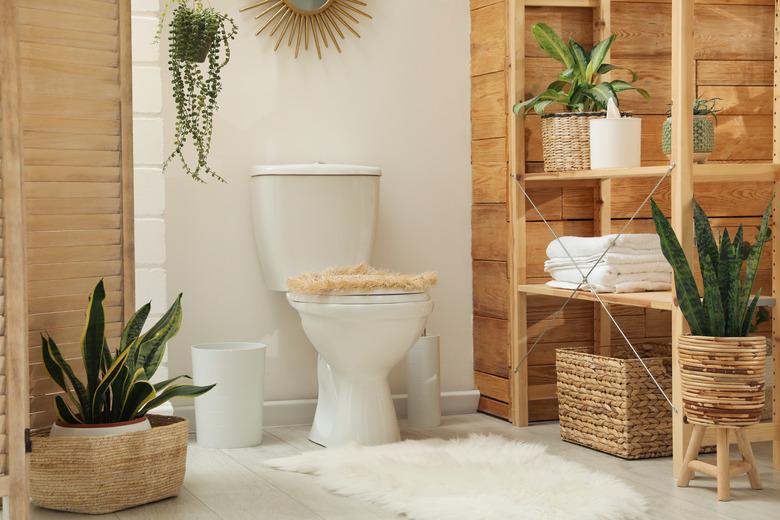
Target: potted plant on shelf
[705, 117]
[581, 92]
[106, 452]
[721, 364]
[198, 35]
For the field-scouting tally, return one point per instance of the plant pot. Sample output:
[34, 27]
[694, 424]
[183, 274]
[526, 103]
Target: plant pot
[703, 137]
[195, 36]
[98, 475]
[723, 379]
[60, 429]
[566, 140]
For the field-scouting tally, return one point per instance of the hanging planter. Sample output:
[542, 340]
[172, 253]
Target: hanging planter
[722, 367]
[581, 92]
[704, 120]
[199, 49]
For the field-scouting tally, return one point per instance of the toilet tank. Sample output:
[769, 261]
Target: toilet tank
[309, 217]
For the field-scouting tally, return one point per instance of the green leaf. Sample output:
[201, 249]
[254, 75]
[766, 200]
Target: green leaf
[567, 75]
[685, 285]
[619, 85]
[175, 391]
[601, 93]
[152, 345]
[119, 389]
[728, 282]
[63, 412]
[134, 326]
[78, 386]
[93, 336]
[111, 374]
[580, 59]
[607, 67]
[705, 240]
[540, 106]
[163, 384]
[751, 311]
[597, 55]
[551, 43]
[751, 268]
[141, 392]
[713, 307]
[53, 369]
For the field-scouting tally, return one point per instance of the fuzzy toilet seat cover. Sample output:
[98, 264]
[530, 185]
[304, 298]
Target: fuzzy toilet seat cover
[359, 279]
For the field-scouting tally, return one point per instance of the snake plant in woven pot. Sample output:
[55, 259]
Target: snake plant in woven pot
[106, 452]
[721, 364]
[582, 93]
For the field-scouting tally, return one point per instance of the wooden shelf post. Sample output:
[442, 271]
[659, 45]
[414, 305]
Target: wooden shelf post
[776, 243]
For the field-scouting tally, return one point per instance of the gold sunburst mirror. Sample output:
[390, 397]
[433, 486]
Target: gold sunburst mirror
[308, 23]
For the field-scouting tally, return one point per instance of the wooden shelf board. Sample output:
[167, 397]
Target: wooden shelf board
[562, 3]
[760, 432]
[661, 300]
[708, 172]
[652, 300]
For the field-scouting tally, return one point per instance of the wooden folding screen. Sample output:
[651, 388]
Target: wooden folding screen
[77, 139]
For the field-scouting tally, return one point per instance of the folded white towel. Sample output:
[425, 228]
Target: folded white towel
[625, 287]
[608, 276]
[651, 263]
[639, 243]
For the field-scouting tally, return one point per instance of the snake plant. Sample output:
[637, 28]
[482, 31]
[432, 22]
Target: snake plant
[726, 307]
[579, 87]
[117, 386]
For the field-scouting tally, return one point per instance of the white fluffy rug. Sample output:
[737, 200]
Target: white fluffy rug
[479, 478]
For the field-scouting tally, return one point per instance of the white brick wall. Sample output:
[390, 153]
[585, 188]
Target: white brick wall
[148, 156]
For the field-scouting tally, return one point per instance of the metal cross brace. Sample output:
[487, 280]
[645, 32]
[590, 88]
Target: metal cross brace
[587, 283]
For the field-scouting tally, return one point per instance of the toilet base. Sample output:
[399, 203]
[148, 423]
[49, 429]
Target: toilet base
[359, 411]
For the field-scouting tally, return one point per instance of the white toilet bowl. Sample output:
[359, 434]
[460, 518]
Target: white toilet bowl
[360, 338]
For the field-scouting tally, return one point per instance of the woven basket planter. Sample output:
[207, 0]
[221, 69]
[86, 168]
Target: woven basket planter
[99, 475]
[610, 403]
[566, 140]
[723, 379]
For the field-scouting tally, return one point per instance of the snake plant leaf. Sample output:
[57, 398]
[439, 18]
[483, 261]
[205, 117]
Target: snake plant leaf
[685, 285]
[751, 311]
[93, 336]
[580, 58]
[175, 391]
[134, 326]
[141, 392]
[159, 387]
[78, 387]
[108, 378]
[728, 282]
[619, 85]
[597, 55]
[119, 389]
[152, 348]
[52, 368]
[64, 413]
[751, 267]
[608, 67]
[713, 307]
[551, 43]
[705, 240]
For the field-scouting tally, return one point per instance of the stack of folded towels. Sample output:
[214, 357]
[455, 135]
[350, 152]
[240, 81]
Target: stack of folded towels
[635, 263]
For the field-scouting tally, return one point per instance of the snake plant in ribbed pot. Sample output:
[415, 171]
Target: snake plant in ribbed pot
[106, 452]
[581, 91]
[721, 364]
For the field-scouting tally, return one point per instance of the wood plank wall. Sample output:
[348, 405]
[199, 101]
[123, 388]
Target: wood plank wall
[77, 117]
[734, 51]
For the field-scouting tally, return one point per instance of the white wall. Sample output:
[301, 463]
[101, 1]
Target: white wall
[149, 183]
[397, 98]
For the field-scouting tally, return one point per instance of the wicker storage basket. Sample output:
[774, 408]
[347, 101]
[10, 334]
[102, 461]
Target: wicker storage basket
[610, 403]
[98, 475]
[723, 379]
[566, 140]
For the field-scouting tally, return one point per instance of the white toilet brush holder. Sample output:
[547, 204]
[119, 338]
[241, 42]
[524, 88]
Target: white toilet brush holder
[423, 406]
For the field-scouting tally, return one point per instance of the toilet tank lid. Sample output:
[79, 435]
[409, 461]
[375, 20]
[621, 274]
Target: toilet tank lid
[314, 169]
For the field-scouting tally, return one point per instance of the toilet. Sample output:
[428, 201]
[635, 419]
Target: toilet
[311, 217]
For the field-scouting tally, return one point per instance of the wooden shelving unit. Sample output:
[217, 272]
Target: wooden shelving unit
[520, 391]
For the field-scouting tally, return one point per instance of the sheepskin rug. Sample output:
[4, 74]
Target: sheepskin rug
[478, 478]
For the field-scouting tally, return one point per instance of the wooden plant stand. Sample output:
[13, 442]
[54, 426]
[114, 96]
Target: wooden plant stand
[724, 469]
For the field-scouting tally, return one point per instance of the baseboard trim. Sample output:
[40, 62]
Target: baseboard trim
[301, 411]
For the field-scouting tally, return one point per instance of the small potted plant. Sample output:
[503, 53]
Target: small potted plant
[704, 120]
[199, 49]
[721, 364]
[580, 91]
[106, 452]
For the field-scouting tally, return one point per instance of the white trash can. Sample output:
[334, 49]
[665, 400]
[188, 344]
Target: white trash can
[423, 405]
[231, 414]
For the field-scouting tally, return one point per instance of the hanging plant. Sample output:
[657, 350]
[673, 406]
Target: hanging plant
[199, 49]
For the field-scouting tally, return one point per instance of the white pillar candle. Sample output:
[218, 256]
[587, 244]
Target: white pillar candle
[615, 143]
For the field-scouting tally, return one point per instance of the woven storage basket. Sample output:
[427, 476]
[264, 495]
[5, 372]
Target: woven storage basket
[99, 475]
[566, 140]
[610, 403]
[723, 379]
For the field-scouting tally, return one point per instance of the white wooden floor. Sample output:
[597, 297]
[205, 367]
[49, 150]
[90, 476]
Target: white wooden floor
[234, 484]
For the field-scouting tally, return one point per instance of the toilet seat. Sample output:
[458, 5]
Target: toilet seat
[377, 298]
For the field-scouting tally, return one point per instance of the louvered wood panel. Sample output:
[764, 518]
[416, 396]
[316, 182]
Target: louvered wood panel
[75, 76]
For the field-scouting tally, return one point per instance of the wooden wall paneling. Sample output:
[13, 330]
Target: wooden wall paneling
[490, 232]
[488, 38]
[77, 112]
[734, 73]
[488, 106]
[491, 346]
[13, 306]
